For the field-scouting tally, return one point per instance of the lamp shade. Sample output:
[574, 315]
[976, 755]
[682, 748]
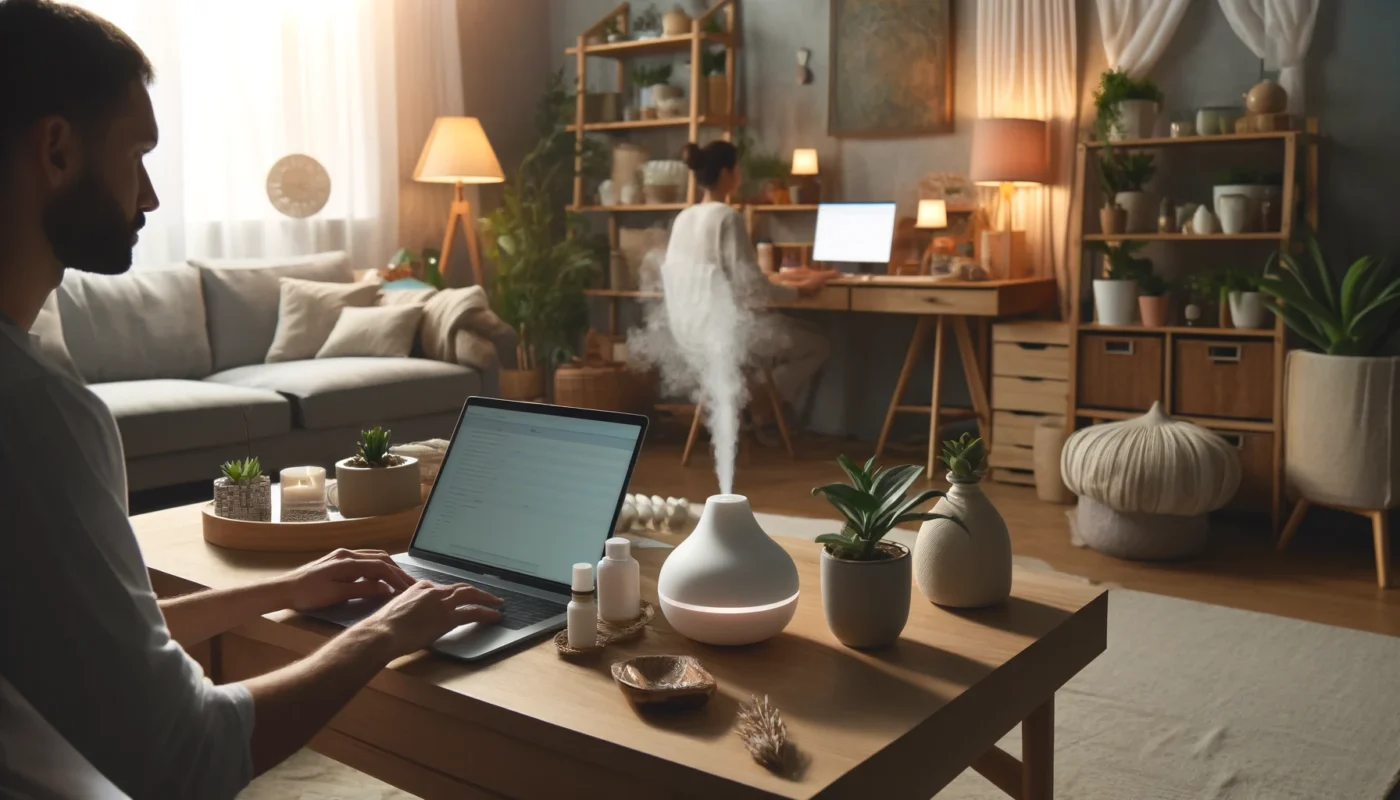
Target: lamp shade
[932, 214]
[804, 161]
[1009, 151]
[457, 151]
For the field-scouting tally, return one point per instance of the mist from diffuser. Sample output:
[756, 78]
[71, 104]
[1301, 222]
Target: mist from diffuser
[728, 583]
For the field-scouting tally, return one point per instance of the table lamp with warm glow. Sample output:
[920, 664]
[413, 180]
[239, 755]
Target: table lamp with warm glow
[933, 214]
[1009, 154]
[458, 152]
[804, 167]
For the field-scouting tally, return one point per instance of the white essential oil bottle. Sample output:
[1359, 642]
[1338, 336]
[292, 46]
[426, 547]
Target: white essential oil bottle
[619, 582]
[583, 612]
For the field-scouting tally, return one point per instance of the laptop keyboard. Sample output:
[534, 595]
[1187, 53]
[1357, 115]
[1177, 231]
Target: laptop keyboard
[520, 611]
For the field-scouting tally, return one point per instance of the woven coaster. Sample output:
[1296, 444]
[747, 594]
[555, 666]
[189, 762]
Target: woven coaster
[608, 632]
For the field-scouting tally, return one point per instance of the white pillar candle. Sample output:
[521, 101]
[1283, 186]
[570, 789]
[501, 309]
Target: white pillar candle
[303, 494]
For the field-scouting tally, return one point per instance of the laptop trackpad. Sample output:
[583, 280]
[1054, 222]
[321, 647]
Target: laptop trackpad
[474, 640]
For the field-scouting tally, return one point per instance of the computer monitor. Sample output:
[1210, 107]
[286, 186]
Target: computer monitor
[854, 233]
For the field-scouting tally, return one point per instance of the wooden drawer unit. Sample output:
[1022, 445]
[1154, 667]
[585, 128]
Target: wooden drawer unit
[1044, 395]
[1029, 360]
[1223, 378]
[1119, 371]
[1018, 427]
[830, 298]
[1256, 469]
[890, 300]
[1033, 332]
[1013, 456]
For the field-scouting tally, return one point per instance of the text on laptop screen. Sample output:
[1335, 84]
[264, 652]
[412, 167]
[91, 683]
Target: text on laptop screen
[860, 233]
[528, 492]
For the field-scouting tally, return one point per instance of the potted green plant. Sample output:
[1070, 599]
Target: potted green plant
[865, 579]
[1240, 293]
[1125, 107]
[243, 492]
[1153, 299]
[1115, 295]
[1113, 218]
[764, 174]
[712, 67]
[1343, 427]
[645, 79]
[647, 23]
[1255, 187]
[544, 258]
[967, 565]
[374, 481]
[1129, 173]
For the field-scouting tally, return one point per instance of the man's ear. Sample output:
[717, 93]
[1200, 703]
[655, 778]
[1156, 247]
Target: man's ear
[60, 150]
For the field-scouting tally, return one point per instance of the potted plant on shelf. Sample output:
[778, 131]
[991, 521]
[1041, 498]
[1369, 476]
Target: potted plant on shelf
[1115, 295]
[1343, 427]
[1240, 292]
[866, 580]
[244, 492]
[968, 564]
[712, 66]
[1240, 216]
[1125, 108]
[647, 23]
[645, 79]
[1129, 174]
[1153, 299]
[375, 482]
[1113, 218]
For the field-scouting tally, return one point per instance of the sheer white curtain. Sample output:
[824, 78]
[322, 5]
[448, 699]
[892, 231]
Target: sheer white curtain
[1027, 64]
[1135, 32]
[1278, 31]
[238, 86]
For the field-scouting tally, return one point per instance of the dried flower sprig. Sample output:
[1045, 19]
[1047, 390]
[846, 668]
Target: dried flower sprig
[764, 735]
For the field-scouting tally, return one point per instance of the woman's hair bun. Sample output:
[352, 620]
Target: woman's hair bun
[693, 155]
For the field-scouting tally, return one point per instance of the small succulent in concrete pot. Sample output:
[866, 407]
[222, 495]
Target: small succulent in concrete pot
[376, 482]
[244, 492]
[866, 581]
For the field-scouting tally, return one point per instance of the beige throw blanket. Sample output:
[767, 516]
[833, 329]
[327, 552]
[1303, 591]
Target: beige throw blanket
[458, 324]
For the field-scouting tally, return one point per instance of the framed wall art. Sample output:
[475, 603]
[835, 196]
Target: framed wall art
[891, 68]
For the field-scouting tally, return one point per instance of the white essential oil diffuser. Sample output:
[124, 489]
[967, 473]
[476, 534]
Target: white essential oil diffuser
[728, 583]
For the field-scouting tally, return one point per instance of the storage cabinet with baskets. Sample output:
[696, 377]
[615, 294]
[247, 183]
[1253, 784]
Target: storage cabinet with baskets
[1030, 386]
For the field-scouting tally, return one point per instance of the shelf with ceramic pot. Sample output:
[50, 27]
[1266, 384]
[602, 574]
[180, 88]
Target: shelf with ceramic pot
[1183, 330]
[1176, 141]
[657, 45]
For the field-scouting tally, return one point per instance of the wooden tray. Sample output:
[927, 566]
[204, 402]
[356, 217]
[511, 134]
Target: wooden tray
[392, 530]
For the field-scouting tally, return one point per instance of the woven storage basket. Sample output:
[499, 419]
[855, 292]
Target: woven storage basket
[599, 386]
[522, 384]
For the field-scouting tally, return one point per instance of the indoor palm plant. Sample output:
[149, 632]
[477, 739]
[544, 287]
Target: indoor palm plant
[1125, 107]
[243, 492]
[374, 481]
[1342, 431]
[967, 565]
[866, 580]
[1115, 294]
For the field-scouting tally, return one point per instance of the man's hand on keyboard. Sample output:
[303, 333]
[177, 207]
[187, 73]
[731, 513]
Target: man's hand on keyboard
[421, 614]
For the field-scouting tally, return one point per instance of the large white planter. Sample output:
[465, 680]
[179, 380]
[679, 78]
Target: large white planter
[1233, 210]
[1256, 193]
[1115, 302]
[376, 491]
[1247, 310]
[1137, 119]
[964, 568]
[1341, 435]
[1142, 212]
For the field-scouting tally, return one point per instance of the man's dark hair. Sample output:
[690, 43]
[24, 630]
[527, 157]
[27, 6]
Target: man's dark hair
[58, 59]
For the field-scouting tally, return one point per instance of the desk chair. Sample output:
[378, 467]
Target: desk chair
[767, 387]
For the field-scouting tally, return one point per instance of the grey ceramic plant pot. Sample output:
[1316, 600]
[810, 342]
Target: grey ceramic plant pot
[867, 602]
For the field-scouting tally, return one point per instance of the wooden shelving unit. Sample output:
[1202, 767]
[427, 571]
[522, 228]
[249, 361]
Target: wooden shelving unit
[1234, 373]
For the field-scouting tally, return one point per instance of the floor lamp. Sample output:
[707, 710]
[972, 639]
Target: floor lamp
[1009, 154]
[458, 152]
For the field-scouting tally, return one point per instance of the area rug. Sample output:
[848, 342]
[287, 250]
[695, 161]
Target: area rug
[1190, 701]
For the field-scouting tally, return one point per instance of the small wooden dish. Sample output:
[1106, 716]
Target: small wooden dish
[669, 681]
[325, 535]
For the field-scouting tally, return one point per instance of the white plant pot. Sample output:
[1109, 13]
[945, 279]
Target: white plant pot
[376, 491]
[1137, 119]
[1115, 302]
[644, 96]
[1233, 210]
[1247, 310]
[1142, 213]
[964, 568]
[866, 602]
[1256, 193]
[1342, 431]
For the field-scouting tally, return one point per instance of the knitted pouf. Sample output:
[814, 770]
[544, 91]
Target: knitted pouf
[1137, 536]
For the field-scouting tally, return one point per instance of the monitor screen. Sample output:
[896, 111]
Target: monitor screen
[529, 491]
[860, 233]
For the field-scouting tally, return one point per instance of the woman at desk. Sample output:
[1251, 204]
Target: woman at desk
[714, 288]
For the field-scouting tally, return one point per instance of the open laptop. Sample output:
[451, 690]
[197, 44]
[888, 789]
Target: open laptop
[851, 236]
[525, 491]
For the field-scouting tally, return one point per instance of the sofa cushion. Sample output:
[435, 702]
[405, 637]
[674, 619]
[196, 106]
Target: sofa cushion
[242, 297]
[307, 312]
[331, 392]
[146, 323]
[385, 331]
[168, 416]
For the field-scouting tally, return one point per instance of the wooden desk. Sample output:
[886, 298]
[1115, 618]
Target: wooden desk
[937, 304]
[894, 723]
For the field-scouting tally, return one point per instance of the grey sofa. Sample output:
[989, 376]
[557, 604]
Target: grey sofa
[177, 355]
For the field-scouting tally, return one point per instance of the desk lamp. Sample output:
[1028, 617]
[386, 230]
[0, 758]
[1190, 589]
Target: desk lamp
[458, 152]
[804, 167]
[1009, 154]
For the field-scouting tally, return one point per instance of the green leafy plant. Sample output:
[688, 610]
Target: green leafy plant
[1150, 284]
[965, 457]
[373, 450]
[1123, 263]
[712, 62]
[1217, 284]
[610, 27]
[1125, 172]
[1238, 176]
[241, 471]
[545, 258]
[873, 503]
[1114, 87]
[643, 75]
[1350, 317]
[647, 21]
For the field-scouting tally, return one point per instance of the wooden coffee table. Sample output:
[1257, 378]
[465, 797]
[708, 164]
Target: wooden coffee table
[900, 722]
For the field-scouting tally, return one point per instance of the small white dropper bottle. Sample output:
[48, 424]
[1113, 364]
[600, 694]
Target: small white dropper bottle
[619, 582]
[583, 611]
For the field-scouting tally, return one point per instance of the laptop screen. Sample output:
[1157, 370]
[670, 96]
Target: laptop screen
[528, 488]
[861, 233]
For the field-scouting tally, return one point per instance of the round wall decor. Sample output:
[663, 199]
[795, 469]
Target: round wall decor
[298, 185]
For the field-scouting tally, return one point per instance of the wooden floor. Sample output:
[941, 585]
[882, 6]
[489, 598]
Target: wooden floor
[1328, 574]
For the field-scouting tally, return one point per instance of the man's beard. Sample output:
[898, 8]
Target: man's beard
[87, 229]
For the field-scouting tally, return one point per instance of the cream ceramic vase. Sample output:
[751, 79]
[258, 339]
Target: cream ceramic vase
[376, 491]
[964, 568]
